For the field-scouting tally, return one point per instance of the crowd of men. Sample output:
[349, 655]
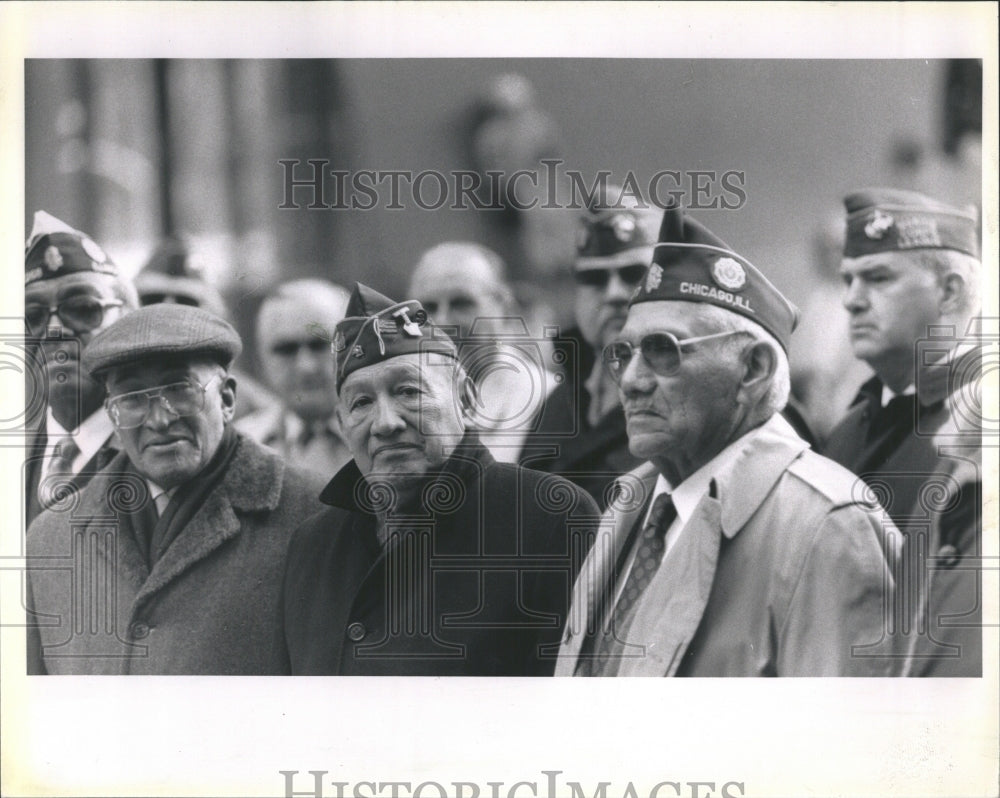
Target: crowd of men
[423, 487]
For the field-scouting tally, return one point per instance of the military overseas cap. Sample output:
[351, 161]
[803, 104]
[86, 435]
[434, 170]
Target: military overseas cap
[894, 220]
[158, 331]
[54, 249]
[376, 328]
[691, 264]
[613, 229]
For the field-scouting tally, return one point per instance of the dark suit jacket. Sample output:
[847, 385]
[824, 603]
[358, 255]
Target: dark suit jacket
[475, 582]
[928, 477]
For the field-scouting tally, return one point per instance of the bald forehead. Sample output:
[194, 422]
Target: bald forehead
[445, 264]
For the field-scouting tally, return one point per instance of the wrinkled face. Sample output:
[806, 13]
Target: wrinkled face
[459, 292]
[602, 296]
[401, 417]
[166, 448]
[296, 358]
[891, 300]
[685, 417]
[63, 339]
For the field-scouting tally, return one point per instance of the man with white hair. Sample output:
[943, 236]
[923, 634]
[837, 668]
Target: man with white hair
[733, 550]
[294, 330]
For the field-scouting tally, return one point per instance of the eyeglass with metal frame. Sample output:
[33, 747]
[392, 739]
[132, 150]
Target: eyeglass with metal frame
[661, 351]
[598, 278]
[185, 398]
[79, 313]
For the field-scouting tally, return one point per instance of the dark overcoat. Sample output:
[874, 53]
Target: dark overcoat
[473, 580]
[210, 605]
[923, 462]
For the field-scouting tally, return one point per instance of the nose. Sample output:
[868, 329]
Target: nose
[159, 417]
[617, 289]
[387, 421]
[855, 296]
[307, 361]
[54, 326]
[638, 378]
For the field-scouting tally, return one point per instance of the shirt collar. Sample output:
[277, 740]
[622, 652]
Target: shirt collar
[89, 437]
[687, 495]
[888, 394]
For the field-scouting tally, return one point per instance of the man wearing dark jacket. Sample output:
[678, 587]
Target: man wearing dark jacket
[72, 291]
[170, 560]
[911, 271]
[433, 558]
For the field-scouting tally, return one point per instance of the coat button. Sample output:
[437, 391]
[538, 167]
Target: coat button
[948, 555]
[356, 631]
[140, 630]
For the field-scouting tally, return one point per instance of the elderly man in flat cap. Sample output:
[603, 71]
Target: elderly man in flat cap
[294, 329]
[432, 559]
[72, 290]
[734, 550]
[911, 272]
[180, 541]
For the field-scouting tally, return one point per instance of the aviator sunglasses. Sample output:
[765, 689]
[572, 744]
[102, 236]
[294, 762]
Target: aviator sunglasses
[661, 352]
[598, 278]
[79, 313]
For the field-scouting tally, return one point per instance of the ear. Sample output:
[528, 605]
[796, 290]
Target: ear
[759, 364]
[468, 396]
[227, 390]
[952, 293]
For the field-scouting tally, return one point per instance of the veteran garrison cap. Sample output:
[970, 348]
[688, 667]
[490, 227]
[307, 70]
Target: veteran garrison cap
[54, 249]
[692, 264]
[376, 328]
[616, 231]
[162, 331]
[894, 220]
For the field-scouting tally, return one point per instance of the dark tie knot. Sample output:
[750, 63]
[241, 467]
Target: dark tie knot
[663, 506]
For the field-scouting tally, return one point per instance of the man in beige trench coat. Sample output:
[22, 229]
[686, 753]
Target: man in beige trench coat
[734, 550]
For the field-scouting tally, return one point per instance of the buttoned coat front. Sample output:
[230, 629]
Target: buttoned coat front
[208, 606]
[780, 571]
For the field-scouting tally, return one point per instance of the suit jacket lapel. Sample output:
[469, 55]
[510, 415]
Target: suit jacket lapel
[593, 584]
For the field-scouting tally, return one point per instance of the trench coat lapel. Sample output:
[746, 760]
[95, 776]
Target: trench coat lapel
[593, 583]
[671, 608]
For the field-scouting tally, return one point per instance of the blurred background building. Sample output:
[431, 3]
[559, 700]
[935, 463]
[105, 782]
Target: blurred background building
[135, 151]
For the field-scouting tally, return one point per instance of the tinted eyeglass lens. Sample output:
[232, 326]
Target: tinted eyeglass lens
[598, 278]
[617, 356]
[130, 410]
[316, 346]
[81, 314]
[662, 353]
[183, 398]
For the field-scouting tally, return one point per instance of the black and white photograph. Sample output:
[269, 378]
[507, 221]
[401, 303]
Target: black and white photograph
[504, 343]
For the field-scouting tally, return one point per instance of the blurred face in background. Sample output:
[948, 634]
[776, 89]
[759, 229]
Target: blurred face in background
[459, 287]
[86, 303]
[293, 338]
[602, 295]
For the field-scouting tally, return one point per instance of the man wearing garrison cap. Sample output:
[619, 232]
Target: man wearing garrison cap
[581, 433]
[433, 558]
[734, 550]
[72, 290]
[911, 271]
[182, 537]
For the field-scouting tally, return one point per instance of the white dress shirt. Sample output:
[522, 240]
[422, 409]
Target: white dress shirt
[89, 437]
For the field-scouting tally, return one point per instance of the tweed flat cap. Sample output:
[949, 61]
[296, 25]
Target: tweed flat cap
[162, 331]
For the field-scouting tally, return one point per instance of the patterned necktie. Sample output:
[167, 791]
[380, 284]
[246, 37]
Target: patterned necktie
[60, 467]
[648, 556]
